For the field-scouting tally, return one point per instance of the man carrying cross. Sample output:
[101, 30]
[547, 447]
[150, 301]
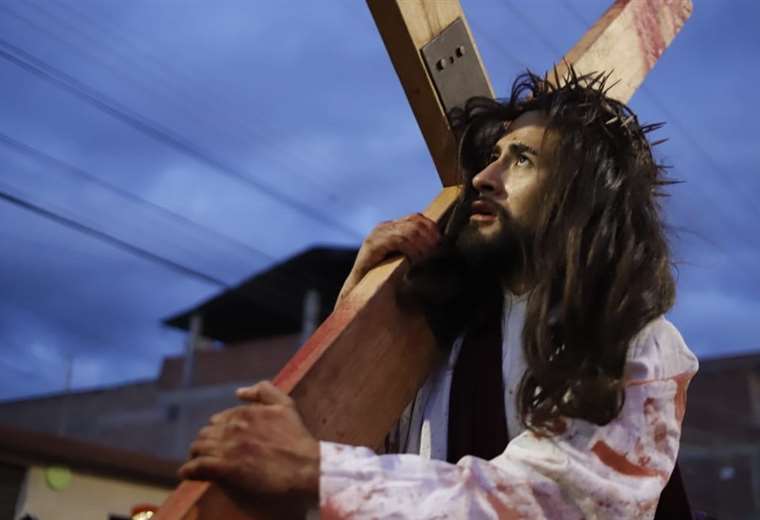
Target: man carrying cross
[563, 388]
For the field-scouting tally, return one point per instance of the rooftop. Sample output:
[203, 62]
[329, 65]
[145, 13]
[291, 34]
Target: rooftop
[271, 302]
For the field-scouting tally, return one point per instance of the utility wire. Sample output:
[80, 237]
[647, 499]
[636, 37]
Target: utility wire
[270, 295]
[112, 240]
[79, 173]
[496, 43]
[64, 81]
[274, 150]
[701, 150]
[535, 29]
[307, 279]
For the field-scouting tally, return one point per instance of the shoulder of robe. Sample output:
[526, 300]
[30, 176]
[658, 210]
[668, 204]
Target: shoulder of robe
[659, 351]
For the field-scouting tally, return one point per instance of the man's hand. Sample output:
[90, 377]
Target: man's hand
[260, 448]
[415, 237]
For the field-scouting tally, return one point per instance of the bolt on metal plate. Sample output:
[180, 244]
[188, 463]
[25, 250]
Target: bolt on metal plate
[454, 68]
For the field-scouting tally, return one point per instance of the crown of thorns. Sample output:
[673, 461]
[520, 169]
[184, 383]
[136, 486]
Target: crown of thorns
[591, 91]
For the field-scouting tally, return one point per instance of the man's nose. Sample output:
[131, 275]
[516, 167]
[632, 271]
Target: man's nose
[488, 180]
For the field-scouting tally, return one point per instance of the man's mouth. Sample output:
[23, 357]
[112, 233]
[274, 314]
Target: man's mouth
[483, 211]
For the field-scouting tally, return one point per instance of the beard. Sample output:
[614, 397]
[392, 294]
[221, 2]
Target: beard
[500, 252]
[461, 286]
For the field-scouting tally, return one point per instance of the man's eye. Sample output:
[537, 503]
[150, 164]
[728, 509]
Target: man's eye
[493, 157]
[522, 160]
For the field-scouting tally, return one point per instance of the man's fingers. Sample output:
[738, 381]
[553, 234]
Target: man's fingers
[210, 432]
[424, 230]
[202, 448]
[427, 224]
[205, 468]
[431, 231]
[393, 237]
[264, 393]
[226, 415]
[408, 247]
[418, 245]
[428, 240]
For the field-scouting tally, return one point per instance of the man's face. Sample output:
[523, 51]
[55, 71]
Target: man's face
[508, 190]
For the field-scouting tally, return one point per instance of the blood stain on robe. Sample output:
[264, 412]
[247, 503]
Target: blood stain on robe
[621, 464]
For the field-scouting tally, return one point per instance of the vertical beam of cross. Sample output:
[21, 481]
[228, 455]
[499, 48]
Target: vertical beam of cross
[353, 377]
[406, 27]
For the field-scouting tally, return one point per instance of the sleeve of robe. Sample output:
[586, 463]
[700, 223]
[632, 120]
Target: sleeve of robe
[589, 471]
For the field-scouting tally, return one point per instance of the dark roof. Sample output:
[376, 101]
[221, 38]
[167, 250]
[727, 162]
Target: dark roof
[26, 447]
[270, 303]
[144, 388]
[722, 406]
[747, 361]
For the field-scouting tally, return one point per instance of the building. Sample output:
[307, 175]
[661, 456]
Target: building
[241, 336]
[720, 446]
[50, 477]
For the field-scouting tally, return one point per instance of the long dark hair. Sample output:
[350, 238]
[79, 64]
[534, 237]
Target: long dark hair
[598, 263]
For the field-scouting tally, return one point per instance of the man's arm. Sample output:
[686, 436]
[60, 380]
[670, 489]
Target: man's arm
[263, 447]
[612, 471]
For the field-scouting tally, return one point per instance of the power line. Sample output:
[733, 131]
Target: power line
[112, 240]
[535, 28]
[576, 14]
[64, 81]
[307, 279]
[494, 42]
[701, 150]
[224, 129]
[93, 179]
[270, 296]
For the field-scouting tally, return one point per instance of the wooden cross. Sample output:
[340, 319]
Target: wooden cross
[356, 374]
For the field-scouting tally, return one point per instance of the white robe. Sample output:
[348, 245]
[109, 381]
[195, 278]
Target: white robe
[423, 427]
[588, 471]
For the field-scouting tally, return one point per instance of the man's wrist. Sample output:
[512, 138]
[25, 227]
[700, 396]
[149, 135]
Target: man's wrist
[310, 472]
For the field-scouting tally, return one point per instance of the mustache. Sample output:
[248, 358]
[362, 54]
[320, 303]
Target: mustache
[459, 220]
[488, 206]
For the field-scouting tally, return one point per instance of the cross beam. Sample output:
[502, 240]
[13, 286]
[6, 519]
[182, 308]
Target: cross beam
[354, 376]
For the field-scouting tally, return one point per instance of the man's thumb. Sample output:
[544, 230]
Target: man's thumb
[263, 392]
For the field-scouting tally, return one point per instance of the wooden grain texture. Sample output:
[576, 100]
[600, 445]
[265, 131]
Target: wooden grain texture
[405, 27]
[627, 41]
[185, 502]
[368, 349]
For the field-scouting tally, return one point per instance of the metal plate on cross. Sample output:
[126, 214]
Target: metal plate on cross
[454, 68]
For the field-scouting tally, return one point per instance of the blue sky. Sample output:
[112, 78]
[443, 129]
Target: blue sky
[225, 138]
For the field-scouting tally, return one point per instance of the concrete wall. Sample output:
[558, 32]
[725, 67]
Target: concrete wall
[87, 497]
